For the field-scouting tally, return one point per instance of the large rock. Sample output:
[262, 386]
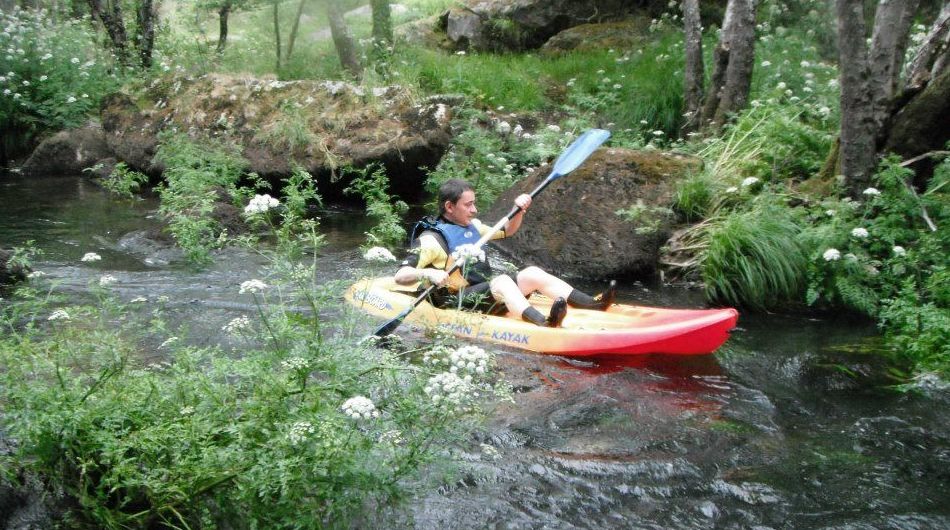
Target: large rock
[572, 229]
[69, 152]
[512, 25]
[623, 36]
[319, 126]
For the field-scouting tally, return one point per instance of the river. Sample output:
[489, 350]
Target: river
[790, 425]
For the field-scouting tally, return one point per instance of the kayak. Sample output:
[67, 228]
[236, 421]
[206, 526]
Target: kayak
[621, 330]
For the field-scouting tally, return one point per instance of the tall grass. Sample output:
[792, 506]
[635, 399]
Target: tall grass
[753, 258]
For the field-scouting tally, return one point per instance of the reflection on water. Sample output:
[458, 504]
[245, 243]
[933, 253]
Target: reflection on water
[769, 432]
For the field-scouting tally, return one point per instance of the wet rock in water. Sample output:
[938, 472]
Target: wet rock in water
[574, 229]
[69, 152]
[10, 271]
[282, 125]
[154, 246]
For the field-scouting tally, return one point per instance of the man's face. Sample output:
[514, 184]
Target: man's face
[462, 211]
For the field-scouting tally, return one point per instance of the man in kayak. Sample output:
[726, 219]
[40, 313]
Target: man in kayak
[437, 242]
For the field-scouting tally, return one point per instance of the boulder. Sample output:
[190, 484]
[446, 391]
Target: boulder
[10, 271]
[514, 25]
[573, 228]
[69, 152]
[280, 125]
[623, 36]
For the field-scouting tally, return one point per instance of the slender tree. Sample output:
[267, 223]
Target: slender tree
[694, 73]
[224, 13]
[146, 17]
[111, 18]
[276, 4]
[293, 30]
[382, 27]
[342, 40]
[732, 64]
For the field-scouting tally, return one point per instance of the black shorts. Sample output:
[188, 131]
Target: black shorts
[477, 298]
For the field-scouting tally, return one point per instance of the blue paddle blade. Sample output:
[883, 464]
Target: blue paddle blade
[578, 151]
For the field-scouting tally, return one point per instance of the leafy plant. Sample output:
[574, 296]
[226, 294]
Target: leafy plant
[123, 181]
[371, 183]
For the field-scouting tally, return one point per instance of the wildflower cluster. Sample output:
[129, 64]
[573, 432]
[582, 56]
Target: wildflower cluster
[449, 390]
[237, 325]
[468, 254]
[90, 257]
[252, 286]
[379, 254]
[299, 432]
[360, 408]
[261, 204]
[50, 74]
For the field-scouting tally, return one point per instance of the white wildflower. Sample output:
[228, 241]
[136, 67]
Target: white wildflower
[379, 254]
[658, 133]
[732, 189]
[832, 254]
[36, 274]
[260, 204]
[489, 451]
[237, 324]
[503, 127]
[781, 85]
[830, 213]
[300, 431]
[169, 341]
[91, 256]
[138, 300]
[460, 52]
[294, 364]
[447, 388]
[360, 408]
[468, 361]
[187, 410]
[468, 253]
[59, 314]
[553, 128]
[899, 250]
[871, 192]
[74, 60]
[859, 233]
[749, 181]
[71, 99]
[252, 286]
[766, 64]
[107, 279]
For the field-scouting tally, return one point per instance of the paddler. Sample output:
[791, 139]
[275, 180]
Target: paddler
[436, 240]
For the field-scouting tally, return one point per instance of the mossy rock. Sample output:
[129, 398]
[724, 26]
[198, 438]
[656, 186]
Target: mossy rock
[623, 35]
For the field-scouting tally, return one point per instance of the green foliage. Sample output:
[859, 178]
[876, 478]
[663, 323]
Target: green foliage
[123, 181]
[196, 177]
[187, 437]
[370, 183]
[753, 257]
[290, 131]
[694, 197]
[881, 257]
[51, 73]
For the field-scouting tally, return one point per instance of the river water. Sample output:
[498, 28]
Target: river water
[789, 425]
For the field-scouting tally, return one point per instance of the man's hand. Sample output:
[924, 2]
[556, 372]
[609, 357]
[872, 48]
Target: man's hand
[523, 201]
[434, 276]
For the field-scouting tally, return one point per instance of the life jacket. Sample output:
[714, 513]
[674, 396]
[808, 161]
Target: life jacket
[451, 236]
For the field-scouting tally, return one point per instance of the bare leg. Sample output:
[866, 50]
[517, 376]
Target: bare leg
[504, 289]
[533, 279]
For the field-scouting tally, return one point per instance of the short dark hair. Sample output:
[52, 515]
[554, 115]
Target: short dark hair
[451, 190]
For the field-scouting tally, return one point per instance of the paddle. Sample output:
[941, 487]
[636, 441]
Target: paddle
[570, 159]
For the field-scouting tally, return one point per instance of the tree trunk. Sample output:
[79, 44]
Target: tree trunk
[732, 64]
[694, 74]
[932, 56]
[343, 41]
[921, 125]
[146, 17]
[115, 27]
[892, 23]
[738, 82]
[858, 158]
[223, 15]
[293, 30]
[382, 26]
[277, 31]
